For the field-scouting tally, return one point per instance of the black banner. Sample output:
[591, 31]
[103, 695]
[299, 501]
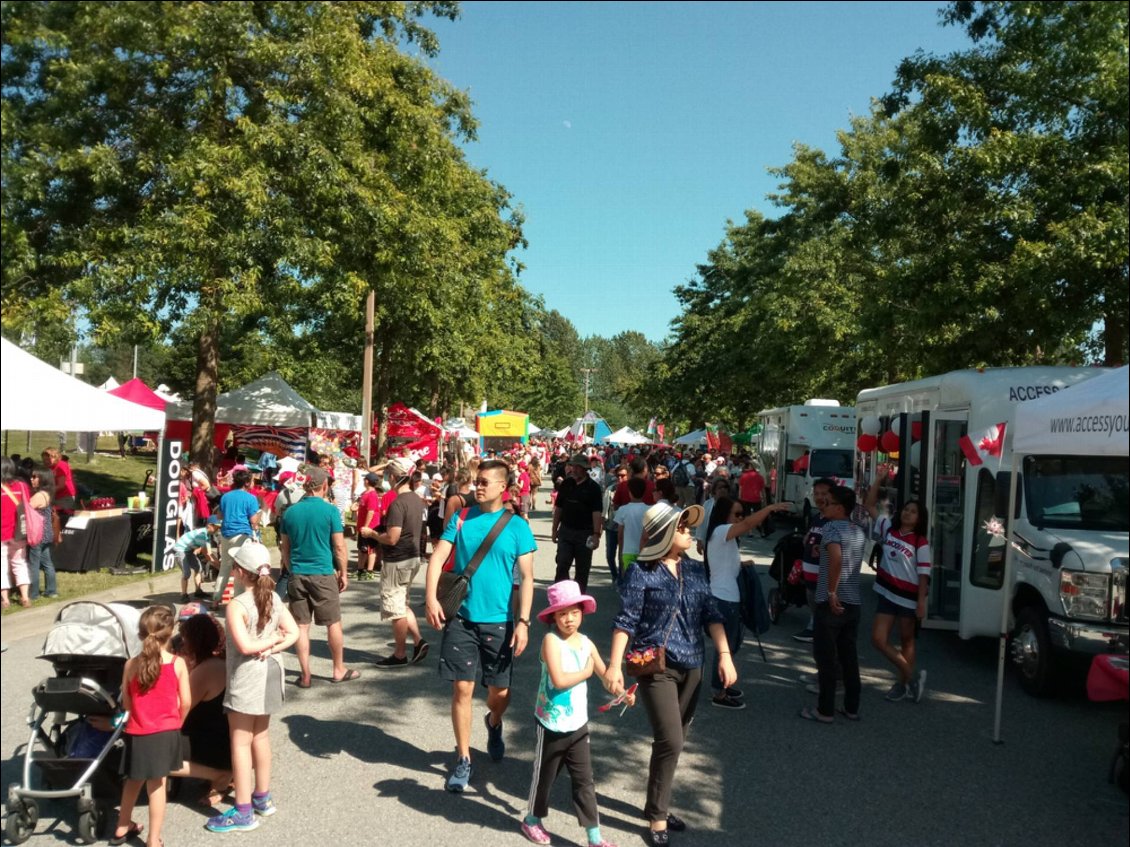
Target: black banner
[166, 504]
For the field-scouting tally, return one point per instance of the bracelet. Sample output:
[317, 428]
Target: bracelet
[526, 621]
[724, 653]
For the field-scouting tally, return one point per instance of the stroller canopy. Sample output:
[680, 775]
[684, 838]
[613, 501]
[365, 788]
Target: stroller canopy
[85, 628]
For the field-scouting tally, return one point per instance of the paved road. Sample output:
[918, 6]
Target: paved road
[363, 763]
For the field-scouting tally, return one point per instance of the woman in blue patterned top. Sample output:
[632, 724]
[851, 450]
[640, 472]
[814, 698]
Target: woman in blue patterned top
[666, 601]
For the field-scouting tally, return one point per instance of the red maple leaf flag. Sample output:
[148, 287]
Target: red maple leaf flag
[985, 445]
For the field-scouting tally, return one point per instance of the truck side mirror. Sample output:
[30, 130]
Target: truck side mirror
[1058, 553]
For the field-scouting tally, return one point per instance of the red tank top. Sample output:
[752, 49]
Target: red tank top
[158, 709]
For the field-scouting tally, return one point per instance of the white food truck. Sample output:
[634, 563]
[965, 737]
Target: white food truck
[822, 429]
[1069, 524]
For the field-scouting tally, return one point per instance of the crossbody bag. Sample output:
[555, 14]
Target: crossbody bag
[453, 587]
[648, 661]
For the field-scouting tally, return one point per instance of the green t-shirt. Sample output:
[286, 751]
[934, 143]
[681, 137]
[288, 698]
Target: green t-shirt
[310, 525]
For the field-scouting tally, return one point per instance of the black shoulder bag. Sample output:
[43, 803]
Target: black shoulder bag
[452, 588]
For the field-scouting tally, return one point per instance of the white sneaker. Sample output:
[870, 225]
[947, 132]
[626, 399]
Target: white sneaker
[918, 687]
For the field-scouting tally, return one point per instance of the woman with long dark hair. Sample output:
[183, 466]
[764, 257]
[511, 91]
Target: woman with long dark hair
[39, 555]
[665, 601]
[722, 561]
[903, 584]
[13, 537]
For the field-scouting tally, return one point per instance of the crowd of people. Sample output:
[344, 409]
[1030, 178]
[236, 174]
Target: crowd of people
[671, 523]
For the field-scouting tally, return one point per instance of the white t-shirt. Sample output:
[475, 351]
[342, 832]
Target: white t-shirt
[725, 565]
[630, 516]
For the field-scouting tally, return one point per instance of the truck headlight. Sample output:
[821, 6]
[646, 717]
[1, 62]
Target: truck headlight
[1084, 595]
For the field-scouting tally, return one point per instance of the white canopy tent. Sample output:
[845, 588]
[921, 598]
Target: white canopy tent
[63, 403]
[1037, 429]
[692, 438]
[267, 401]
[626, 435]
[110, 384]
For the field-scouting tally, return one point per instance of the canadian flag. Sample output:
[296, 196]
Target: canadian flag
[981, 446]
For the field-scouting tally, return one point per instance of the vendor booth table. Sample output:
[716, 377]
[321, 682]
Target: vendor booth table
[103, 542]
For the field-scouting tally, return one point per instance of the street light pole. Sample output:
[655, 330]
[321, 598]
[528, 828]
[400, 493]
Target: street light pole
[588, 372]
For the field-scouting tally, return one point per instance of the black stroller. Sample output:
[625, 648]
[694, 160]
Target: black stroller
[72, 719]
[785, 572]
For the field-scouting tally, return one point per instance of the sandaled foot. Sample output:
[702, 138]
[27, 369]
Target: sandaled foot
[813, 715]
[349, 675]
[122, 836]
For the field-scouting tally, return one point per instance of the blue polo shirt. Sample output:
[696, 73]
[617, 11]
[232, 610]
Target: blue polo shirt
[237, 507]
[488, 596]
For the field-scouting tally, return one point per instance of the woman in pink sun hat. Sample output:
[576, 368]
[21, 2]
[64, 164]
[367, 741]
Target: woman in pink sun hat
[568, 659]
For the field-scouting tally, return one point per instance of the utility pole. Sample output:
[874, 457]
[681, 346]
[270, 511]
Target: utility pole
[367, 379]
[588, 372]
[135, 361]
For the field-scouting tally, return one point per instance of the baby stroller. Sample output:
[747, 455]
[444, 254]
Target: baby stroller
[786, 572]
[72, 719]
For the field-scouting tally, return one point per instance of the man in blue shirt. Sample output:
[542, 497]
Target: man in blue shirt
[239, 510]
[483, 641]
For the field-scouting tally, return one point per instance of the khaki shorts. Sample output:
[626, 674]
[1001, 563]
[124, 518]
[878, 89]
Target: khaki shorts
[396, 579]
[314, 597]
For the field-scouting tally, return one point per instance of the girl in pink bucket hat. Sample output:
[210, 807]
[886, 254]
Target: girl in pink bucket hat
[568, 659]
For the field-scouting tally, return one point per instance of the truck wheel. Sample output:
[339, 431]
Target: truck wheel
[1032, 652]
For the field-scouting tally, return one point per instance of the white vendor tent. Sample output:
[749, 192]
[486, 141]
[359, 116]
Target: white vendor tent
[692, 438]
[61, 402]
[1097, 410]
[267, 401]
[110, 384]
[626, 435]
[341, 421]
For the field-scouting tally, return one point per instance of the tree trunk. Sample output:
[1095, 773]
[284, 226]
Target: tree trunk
[203, 449]
[1114, 332]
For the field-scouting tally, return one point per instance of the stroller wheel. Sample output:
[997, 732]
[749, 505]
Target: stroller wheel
[91, 824]
[775, 606]
[21, 821]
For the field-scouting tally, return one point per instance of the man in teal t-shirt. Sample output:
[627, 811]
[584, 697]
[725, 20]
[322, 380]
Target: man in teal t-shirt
[482, 630]
[312, 544]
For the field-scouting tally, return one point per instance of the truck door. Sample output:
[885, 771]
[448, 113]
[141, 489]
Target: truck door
[945, 496]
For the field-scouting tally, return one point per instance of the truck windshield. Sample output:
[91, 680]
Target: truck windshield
[1078, 492]
[837, 463]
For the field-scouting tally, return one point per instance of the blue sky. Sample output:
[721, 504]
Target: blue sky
[629, 133]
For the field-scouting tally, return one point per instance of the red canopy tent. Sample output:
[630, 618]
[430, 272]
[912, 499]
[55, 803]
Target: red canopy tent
[138, 392]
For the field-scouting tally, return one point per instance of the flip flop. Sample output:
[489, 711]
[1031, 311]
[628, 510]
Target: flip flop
[847, 715]
[813, 715]
[350, 675]
[302, 684]
[134, 831]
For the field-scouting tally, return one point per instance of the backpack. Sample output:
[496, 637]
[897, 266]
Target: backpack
[29, 522]
[680, 476]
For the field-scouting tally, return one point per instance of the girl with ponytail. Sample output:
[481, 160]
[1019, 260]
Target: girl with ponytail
[155, 694]
[260, 627]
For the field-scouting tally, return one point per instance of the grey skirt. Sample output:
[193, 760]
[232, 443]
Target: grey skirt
[153, 756]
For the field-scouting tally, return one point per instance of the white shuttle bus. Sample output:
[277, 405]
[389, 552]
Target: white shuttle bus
[822, 429]
[1070, 523]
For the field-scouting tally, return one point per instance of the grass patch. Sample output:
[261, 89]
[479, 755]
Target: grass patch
[106, 474]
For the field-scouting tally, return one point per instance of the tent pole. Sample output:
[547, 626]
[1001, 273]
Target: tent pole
[1006, 593]
[367, 380]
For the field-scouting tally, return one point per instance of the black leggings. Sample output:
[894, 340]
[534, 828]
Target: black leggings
[571, 749]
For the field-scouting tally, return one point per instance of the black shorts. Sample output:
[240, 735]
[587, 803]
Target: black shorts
[886, 607]
[314, 596]
[477, 650]
[368, 545]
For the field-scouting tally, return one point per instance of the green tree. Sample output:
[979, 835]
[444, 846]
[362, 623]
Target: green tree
[242, 174]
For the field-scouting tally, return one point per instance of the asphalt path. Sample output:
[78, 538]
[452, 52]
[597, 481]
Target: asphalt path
[364, 762]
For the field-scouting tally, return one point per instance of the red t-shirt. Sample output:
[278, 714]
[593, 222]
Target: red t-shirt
[751, 486]
[64, 484]
[623, 497]
[16, 492]
[369, 509]
[524, 484]
[387, 499]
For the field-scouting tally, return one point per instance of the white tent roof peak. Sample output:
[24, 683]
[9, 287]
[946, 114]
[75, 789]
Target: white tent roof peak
[267, 401]
[61, 401]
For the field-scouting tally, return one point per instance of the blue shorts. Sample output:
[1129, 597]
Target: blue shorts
[482, 650]
[886, 607]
